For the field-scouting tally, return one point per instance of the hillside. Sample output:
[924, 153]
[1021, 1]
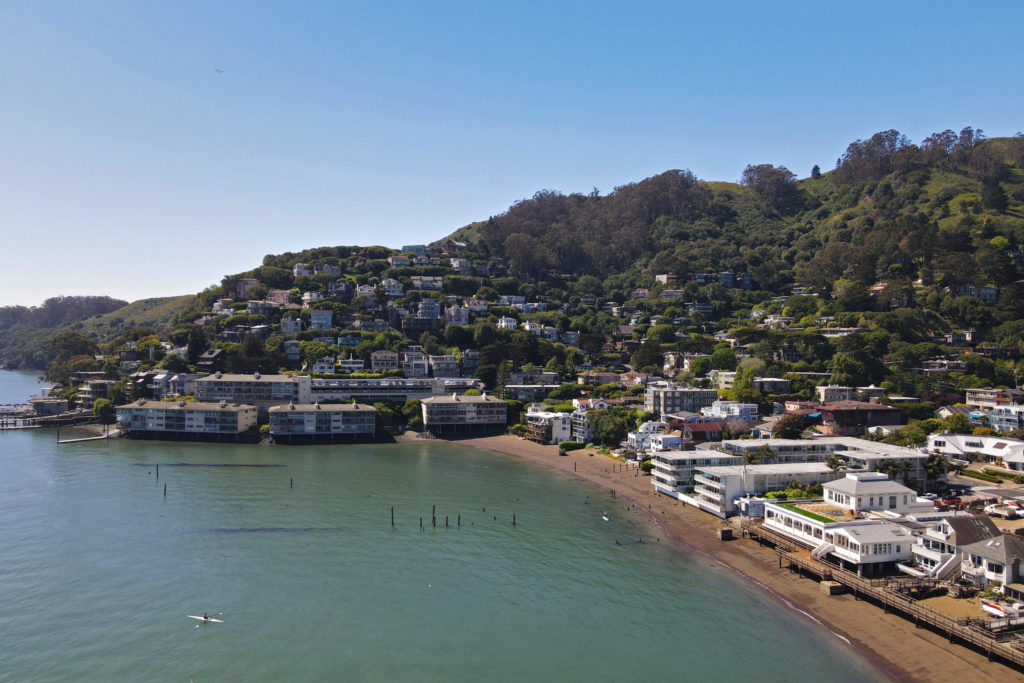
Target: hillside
[26, 333]
[948, 211]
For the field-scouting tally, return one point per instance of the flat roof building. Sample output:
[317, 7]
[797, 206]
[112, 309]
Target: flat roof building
[178, 419]
[463, 413]
[316, 421]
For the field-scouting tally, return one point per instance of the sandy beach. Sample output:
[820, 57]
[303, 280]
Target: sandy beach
[891, 642]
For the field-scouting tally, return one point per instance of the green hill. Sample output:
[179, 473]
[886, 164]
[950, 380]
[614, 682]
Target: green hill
[26, 333]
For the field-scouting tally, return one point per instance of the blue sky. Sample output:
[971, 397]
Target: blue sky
[130, 167]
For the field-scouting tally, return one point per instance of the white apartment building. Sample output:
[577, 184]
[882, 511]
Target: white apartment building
[179, 418]
[673, 471]
[717, 488]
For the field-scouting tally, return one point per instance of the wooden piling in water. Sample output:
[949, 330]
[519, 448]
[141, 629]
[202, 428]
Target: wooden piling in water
[513, 519]
[460, 520]
[158, 471]
[446, 521]
[392, 515]
[433, 515]
[165, 490]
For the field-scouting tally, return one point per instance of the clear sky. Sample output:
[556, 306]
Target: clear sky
[129, 166]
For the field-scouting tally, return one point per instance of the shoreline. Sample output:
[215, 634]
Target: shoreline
[889, 642]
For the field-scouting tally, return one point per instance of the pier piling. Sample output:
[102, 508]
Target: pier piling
[446, 521]
[513, 519]
[291, 482]
[460, 520]
[165, 490]
[392, 515]
[158, 471]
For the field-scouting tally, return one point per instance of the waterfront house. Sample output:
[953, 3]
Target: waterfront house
[546, 427]
[995, 562]
[937, 551]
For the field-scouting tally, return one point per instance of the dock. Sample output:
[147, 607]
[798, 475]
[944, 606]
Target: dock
[980, 633]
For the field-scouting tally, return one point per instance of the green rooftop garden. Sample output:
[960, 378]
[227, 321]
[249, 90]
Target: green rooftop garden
[806, 513]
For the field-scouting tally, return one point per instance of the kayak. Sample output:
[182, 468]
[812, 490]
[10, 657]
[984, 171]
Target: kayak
[209, 619]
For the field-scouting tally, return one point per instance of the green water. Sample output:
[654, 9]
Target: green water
[98, 571]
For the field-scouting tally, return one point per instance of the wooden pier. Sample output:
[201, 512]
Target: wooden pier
[979, 633]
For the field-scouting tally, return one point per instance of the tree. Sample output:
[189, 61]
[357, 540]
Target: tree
[764, 454]
[609, 427]
[776, 185]
[834, 462]
[957, 424]
[104, 410]
[816, 172]
[788, 427]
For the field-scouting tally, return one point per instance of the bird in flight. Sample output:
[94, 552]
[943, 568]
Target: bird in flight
[220, 71]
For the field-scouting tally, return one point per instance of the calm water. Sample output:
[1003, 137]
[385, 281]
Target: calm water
[98, 571]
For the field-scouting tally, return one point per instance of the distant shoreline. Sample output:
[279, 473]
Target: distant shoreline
[892, 644]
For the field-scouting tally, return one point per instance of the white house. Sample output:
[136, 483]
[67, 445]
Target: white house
[830, 393]
[995, 561]
[506, 323]
[639, 439]
[937, 553]
[546, 427]
[1008, 453]
[731, 410]
[323, 365]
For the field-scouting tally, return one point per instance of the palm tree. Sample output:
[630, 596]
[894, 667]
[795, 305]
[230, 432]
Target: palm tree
[935, 467]
[894, 468]
[834, 462]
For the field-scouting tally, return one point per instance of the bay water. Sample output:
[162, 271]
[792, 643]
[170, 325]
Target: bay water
[293, 548]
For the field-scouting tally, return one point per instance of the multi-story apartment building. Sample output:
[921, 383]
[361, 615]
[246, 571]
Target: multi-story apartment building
[256, 389]
[294, 422]
[448, 414]
[668, 397]
[181, 418]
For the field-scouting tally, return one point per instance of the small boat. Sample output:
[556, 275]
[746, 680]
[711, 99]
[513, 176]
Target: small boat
[1001, 609]
[210, 620]
[604, 516]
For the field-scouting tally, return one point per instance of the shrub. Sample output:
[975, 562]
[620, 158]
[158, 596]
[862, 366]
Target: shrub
[571, 445]
[974, 474]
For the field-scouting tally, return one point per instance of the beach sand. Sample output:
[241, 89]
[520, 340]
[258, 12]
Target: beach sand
[891, 642]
